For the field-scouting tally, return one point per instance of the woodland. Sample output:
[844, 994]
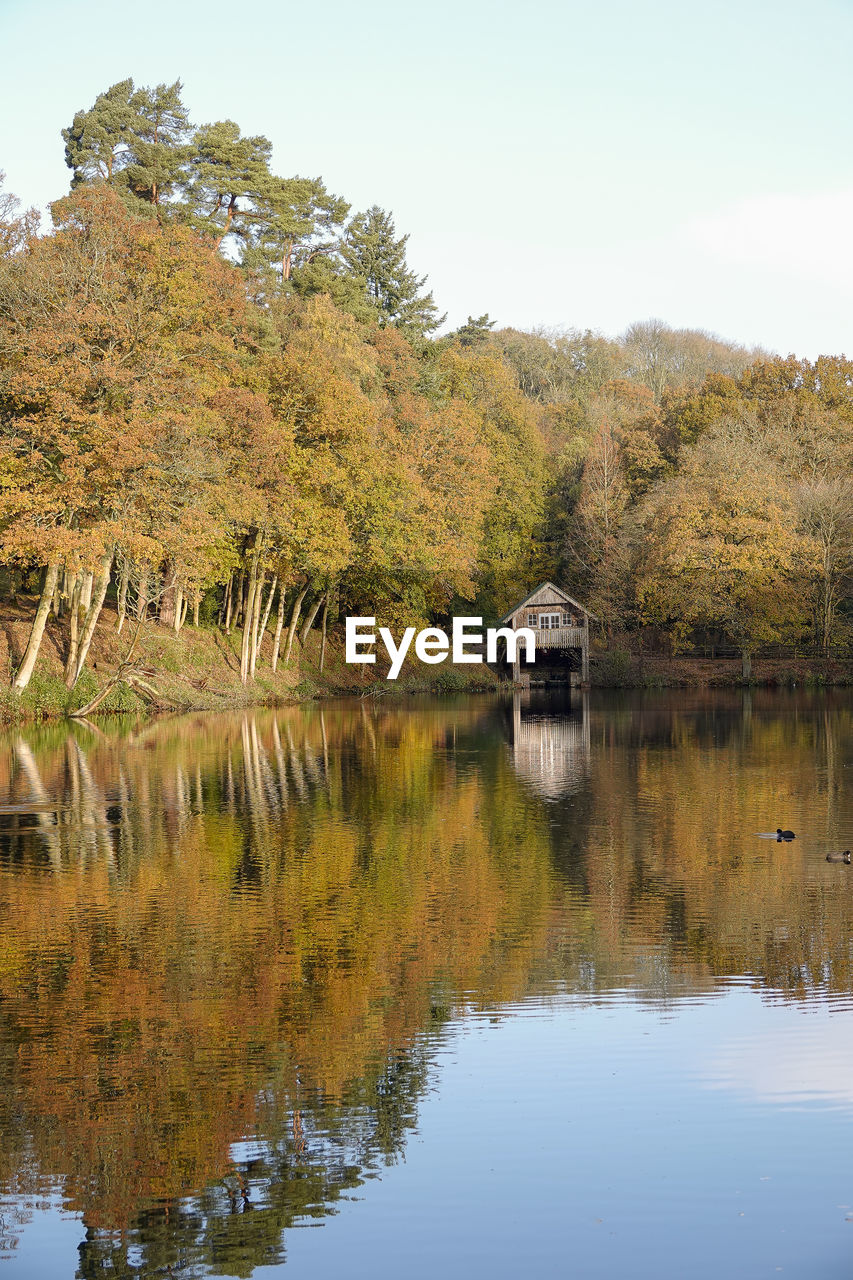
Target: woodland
[226, 400]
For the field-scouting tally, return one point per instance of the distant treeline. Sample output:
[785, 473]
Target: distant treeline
[219, 395]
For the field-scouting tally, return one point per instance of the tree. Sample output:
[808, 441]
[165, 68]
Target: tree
[301, 222]
[373, 252]
[666, 359]
[719, 545]
[16, 229]
[229, 177]
[475, 331]
[825, 507]
[513, 479]
[135, 140]
[115, 335]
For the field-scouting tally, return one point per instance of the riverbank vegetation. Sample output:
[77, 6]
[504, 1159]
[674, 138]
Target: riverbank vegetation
[223, 403]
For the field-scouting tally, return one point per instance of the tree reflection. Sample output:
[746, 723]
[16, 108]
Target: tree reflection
[230, 943]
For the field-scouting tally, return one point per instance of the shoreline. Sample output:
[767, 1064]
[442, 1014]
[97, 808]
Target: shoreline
[198, 670]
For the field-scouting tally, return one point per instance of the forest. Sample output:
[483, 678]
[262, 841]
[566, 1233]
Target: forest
[226, 400]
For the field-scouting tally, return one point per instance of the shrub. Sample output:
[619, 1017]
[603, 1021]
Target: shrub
[615, 669]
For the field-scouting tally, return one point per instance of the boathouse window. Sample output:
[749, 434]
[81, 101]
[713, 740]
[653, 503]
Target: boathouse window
[531, 619]
[549, 621]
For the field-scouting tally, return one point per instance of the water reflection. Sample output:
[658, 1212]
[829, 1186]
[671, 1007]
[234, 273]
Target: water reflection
[550, 741]
[231, 944]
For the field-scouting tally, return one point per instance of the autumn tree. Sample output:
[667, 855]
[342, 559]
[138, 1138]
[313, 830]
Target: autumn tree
[114, 335]
[825, 509]
[719, 545]
[510, 553]
[664, 359]
[16, 228]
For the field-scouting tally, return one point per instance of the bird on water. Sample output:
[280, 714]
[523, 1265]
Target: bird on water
[784, 835]
[839, 857]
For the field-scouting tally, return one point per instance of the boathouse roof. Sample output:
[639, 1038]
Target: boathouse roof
[533, 598]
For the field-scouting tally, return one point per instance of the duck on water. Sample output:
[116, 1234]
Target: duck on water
[839, 857]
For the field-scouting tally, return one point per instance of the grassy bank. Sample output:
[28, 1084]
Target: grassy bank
[196, 670]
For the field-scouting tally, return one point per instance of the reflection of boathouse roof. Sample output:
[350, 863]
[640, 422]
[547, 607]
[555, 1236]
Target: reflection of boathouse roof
[544, 587]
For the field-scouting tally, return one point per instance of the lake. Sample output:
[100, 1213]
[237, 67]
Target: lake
[500, 986]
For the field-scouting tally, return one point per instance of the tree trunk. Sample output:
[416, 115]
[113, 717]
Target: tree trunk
[253, 622]
[225, 607]
[196, 606]
[169, 602]
[279, 623]
[180, 610]
[228, 603]
[92, 614]
[248, 612]
[746, 664]
[25, 670]
[74, 630]
[238, 598]
[294, 618]
[86, 589]
[244, 602]
[260, 631]
[323, 641]
[309, 621]
[142, 602]
[122, 598]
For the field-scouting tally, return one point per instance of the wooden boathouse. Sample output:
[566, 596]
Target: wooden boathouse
[561, 627]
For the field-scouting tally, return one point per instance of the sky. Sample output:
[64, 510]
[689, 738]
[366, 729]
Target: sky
[555, 163]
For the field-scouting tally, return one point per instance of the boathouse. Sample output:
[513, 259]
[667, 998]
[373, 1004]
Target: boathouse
[561, 628]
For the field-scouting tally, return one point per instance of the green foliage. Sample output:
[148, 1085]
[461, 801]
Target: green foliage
[45, 697]
[305, 690]
[615, 668]
[474, 332]
[209, 608]
[136, 140]
[373, 252]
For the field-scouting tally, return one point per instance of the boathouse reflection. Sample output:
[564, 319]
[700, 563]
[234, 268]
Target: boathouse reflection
[550, 741]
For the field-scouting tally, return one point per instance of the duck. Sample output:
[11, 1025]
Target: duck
[784, 835]
[839, 857]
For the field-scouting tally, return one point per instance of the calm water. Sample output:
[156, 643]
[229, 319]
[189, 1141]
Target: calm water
[430, 988]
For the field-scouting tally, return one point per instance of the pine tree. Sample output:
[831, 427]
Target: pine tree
[161, 130]
[298, 220]
[98, 141]
[373, 251]
[475, 331]
[136, 140]
[230, 180]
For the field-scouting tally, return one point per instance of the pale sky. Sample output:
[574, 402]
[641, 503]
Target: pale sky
[557, 162]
